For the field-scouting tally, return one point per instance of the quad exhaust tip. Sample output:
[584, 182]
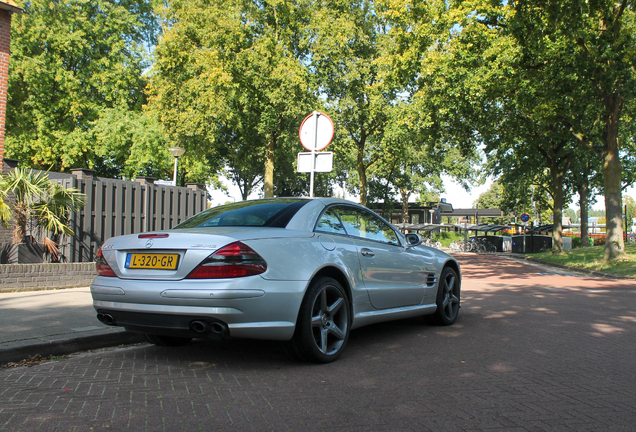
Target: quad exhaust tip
[106, 319]
[199, 326]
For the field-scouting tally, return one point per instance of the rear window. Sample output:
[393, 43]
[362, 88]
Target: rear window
[264, 213]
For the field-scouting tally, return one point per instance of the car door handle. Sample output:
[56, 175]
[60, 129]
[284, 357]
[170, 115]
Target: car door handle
[367, 252]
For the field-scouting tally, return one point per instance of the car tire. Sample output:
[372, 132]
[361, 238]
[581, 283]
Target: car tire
[168, 341]
[448, 298]
[322, 328]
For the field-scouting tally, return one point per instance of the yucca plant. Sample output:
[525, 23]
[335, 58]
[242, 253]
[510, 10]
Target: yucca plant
[38, 202]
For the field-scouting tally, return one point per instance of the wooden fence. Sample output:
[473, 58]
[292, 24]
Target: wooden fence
[117, 207]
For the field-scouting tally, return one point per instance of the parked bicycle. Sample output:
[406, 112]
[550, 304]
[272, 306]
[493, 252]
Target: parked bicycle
[461, 246]
[477, 245]
[432, 243]
[482, 246]
[456, 246]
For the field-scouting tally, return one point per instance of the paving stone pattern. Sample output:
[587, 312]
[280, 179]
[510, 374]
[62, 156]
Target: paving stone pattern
[531, 352]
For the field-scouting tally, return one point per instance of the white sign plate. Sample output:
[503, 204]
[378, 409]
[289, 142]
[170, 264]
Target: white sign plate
[324, 162]
[316, 131]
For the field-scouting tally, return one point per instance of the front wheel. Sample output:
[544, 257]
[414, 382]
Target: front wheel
[322, 328]
[448, 295]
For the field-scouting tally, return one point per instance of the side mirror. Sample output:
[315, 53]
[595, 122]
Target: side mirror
[413, 239]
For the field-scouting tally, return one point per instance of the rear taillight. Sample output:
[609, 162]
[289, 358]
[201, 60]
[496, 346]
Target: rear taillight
[232, 261]
[103, 269]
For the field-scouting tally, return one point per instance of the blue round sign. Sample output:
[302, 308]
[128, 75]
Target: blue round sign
[525, 217]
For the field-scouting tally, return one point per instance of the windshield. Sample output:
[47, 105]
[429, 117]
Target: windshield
[264, 213]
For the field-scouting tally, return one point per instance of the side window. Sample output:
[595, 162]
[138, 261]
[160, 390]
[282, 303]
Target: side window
[362, 224]
[330, 223]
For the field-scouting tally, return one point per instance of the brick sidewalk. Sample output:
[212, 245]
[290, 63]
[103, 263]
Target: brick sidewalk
[53, 322]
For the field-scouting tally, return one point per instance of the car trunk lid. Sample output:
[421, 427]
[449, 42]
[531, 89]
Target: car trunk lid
[173, 254]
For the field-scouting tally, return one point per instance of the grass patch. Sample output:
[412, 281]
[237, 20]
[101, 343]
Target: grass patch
[591, 258]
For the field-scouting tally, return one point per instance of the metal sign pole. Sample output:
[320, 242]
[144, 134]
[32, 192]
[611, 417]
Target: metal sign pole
[309, 139]
[313, 157]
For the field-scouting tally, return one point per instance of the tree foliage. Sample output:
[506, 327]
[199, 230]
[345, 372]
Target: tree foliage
[71, 62]
[229, 84]
[596, 42]
[565, 70]
[348, 55]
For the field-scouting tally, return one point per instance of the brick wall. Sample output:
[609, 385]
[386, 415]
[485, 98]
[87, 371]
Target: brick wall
[5, 42]
[35, 277]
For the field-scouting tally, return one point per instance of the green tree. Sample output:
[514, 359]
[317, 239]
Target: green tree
[347, 52]
[585, 179]
[492, 198]
[592, 44]
[421, 63]
[376, 60]
[128, 144]
[528, 139]
[70, 62]
[571, 213]
[557, 73]
[234, 69]
[414, 157]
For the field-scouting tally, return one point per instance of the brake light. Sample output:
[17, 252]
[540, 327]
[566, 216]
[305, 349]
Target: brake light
[232, 261]
[153, 236]
[103, 269]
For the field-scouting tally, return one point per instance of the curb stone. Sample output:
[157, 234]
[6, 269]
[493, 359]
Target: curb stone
[569, 268]
[67, 345]
[549, 264]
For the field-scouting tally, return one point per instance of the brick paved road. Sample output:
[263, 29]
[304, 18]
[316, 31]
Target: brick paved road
[532, 351]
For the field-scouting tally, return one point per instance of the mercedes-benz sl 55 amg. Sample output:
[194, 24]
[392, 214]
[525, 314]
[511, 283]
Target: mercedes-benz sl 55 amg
[307, 271]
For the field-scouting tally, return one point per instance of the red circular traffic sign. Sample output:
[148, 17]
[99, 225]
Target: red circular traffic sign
[316, 131]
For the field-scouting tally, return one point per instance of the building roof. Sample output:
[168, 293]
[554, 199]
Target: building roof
[10, 5]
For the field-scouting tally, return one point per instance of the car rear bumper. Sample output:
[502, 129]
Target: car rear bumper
[247, 308]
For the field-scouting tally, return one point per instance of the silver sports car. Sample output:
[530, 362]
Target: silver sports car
[307, 271]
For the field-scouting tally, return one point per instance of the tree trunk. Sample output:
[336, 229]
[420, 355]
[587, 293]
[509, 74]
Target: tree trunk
[245, 190]
[268, 179]
[584, 199]
[557, 208]
[385, 205]
[405, 204]
[614, 244]
[362, 174]
[20, 215]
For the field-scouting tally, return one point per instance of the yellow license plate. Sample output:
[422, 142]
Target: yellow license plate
[152, 261]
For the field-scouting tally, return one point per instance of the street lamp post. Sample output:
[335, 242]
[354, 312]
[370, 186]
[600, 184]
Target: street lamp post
[176, 152]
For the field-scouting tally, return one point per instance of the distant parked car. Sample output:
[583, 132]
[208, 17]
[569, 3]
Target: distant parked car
[307, 271]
